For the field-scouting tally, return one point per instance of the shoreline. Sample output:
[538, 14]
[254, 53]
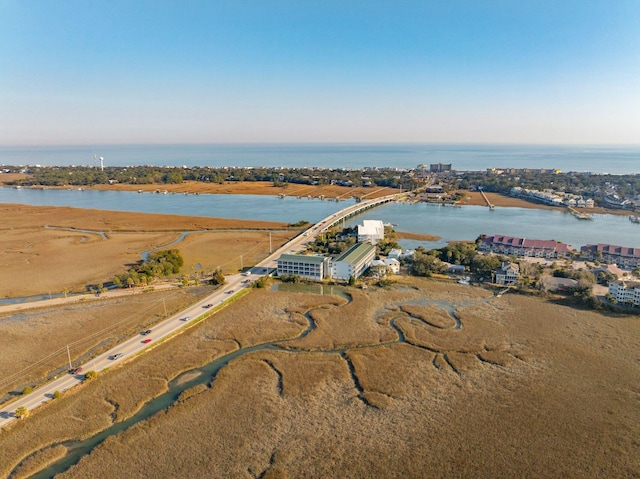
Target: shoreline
[329, 192]
[475, 199]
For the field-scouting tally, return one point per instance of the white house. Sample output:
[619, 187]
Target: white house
[625, 292]
[508, 274]
[382, 267]
[371, 231]
[393, 264]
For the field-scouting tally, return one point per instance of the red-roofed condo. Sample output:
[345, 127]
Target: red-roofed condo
[549, 249]
[624, 257]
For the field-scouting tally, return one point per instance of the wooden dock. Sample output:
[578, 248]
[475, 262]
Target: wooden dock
[489, 204]
[580, 216]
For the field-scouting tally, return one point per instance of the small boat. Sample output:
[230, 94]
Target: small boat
[634, 219]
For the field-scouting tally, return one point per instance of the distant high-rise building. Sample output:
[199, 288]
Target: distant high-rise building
[439, 167]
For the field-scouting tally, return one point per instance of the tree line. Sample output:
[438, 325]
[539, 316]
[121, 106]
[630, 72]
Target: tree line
[144, 175]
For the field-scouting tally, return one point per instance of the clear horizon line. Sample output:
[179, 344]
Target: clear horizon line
[304, 143]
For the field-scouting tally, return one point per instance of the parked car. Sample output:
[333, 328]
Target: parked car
[144, 333]
[115, 356]
[146, 341]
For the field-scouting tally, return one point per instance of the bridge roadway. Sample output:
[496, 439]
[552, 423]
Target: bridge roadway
[136, 345]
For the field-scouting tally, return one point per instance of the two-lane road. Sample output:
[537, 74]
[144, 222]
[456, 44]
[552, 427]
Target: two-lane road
[128, 348]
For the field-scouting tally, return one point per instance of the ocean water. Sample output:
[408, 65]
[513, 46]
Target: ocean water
[596, 159]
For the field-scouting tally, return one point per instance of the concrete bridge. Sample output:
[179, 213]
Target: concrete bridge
[298, 243]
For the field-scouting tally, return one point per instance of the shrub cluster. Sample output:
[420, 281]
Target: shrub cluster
[164, 263]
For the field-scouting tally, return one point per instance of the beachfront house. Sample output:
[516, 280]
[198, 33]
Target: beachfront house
[508, 274]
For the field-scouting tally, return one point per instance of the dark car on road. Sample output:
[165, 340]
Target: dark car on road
[144, 333]
[207, 306]
[115, 356]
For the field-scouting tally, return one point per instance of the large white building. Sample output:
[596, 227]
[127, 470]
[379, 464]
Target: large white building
[625, 292]
[353, 262]
[371, 231]
[306, 266]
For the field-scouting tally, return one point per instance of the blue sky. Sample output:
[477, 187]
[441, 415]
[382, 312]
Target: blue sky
[512, 71]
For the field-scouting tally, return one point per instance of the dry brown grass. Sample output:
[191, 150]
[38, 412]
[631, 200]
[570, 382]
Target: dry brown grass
[9, 177]
[29, 253]
[416, 236]
[39, 461]
[345, 326]
[34, 342]
[256, 188]
[566, 407]
[501, 200]
[228, 250]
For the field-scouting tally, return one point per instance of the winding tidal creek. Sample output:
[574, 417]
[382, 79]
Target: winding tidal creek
[206, 375]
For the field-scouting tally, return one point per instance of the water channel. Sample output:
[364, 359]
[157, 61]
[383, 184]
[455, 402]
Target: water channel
[449, 223]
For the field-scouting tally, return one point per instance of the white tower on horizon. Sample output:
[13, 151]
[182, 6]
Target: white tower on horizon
[101, 162]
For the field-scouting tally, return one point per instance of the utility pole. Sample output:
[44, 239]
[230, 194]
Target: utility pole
[69, 356]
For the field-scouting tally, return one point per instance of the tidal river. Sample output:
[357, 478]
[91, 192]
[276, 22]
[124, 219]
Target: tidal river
[449, 223]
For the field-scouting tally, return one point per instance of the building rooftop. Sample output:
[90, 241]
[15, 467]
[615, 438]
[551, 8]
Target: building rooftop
[627, 284]
[527, 243]
[371, 227]
[355, 253]
[302, 258]
[612, 249]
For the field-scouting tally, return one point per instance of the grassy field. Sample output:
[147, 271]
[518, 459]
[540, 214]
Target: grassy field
[36, 241]
[34, 342]
[257, 188]
[525, 388]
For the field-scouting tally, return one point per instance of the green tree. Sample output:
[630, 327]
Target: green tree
[424, 264]
[57, 395]
[261, 282]
[217, 277]
[27, 390]
[484, 265]
[91, 375]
